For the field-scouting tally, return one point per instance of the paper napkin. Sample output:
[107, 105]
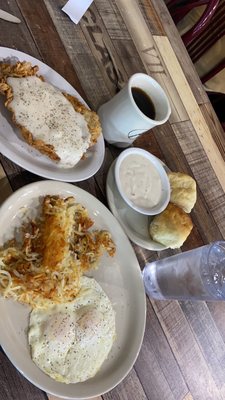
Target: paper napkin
[75, 9]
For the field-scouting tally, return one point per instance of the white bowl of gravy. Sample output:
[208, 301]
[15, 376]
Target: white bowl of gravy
[142, 181]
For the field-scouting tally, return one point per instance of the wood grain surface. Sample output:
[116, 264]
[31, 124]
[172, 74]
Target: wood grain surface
[183, 352]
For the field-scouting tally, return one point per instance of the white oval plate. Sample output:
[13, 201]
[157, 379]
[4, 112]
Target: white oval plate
[135, 224]
[119, 276]
[17, 150]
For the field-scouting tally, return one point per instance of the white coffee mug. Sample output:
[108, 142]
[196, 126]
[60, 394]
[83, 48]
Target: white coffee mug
[122, 120]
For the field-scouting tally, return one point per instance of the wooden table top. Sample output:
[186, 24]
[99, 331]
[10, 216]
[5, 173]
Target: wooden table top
[183, 352]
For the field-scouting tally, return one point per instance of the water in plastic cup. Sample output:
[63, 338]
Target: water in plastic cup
[198, 274]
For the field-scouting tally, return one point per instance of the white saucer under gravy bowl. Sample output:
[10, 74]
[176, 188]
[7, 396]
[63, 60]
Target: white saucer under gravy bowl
[142, 181]
[135, 224]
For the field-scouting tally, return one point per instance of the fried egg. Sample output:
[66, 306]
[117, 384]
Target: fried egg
[70, 341]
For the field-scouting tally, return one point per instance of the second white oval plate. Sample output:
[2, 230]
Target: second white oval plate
[17, 150]
[119, 276]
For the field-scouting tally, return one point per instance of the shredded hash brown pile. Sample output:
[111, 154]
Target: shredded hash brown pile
[55, 251]
[25, 69]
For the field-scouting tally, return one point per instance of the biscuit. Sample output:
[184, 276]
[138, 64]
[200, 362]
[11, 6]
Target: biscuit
[183, 190]
[172, 227]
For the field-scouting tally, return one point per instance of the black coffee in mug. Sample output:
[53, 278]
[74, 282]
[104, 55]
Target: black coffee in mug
[144, 102]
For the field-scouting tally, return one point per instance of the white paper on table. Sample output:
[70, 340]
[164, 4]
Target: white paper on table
[75, 9]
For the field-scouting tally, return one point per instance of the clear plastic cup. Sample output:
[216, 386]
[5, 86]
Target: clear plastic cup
[197, 274]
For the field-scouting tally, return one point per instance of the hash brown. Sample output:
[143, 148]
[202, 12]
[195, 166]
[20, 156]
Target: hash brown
[57, 248]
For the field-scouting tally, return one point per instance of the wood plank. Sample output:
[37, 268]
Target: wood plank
[103, 50]
[54, 50]
[208, 183]
[102, 173]
[80, 55]
[188, 397]
[208, 338]
[152, 19]
[129, 56]
[14, 386]
[91, 187]
[180, 50]
[6, 189]
[192, 108]
[19, 37]
[156, 365]
[113, 20]
[118, 33]
[150, 141]
[189, 356]
[217, 310]
[51, 397]
[16, 175]
[129, 389]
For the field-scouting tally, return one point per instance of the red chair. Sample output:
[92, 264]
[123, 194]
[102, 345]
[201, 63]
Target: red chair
[207, 30]
[179, 9]
[201, 37]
